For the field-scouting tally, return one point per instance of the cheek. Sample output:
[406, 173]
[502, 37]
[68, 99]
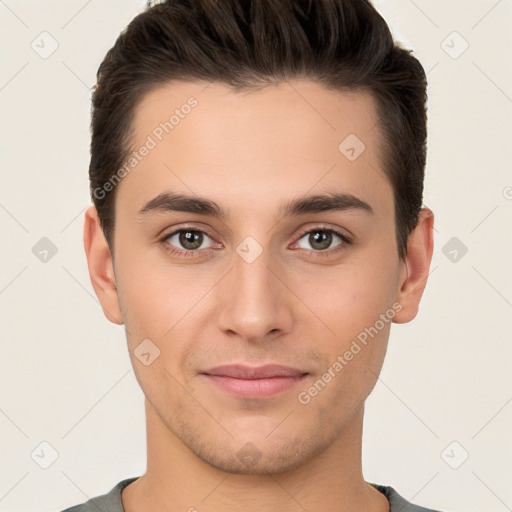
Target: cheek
[349, 298]
[164, 304]
[354, 361]
[356, 304]
[155, 296]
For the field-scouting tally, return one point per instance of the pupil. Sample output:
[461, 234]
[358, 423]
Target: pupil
[188, 238]
[322, 238]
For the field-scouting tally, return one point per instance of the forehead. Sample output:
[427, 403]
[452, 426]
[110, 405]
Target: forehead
[304, 110]
[287, 138]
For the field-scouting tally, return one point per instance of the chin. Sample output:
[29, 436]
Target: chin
[259, 458]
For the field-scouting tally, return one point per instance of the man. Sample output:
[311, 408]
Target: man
[257, 175]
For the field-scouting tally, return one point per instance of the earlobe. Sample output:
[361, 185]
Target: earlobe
[101, 270]
[420, 246]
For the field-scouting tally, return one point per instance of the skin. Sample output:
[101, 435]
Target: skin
[250, 152]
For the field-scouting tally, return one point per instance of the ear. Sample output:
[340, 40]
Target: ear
[420, 245]
[101, 269]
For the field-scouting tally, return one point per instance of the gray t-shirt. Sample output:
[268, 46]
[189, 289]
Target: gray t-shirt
[111, 502]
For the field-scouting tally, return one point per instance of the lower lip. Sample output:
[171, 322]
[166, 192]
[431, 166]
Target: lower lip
[254, 388]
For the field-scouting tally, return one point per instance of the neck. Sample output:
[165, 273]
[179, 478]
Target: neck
[177, 480]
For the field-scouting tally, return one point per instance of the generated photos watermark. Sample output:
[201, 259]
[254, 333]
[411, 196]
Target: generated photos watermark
[151, 142]
[357, 345]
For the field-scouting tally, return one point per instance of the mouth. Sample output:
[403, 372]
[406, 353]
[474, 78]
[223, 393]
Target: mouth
[252, 382]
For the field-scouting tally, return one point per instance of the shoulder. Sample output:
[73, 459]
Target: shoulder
[110, 502]
[397, 503]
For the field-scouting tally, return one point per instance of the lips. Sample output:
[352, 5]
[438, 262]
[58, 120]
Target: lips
[254, 382]
[239, 371]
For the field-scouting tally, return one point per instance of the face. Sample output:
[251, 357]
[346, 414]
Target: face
[265, 327]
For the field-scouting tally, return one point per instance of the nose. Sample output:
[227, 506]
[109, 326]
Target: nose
[255, 305]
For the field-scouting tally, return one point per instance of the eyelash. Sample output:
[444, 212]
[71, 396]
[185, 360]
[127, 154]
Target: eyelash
[193, 253]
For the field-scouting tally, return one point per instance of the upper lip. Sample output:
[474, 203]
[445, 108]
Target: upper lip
[240, 371]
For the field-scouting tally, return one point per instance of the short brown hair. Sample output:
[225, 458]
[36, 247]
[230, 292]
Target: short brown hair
[341, 44]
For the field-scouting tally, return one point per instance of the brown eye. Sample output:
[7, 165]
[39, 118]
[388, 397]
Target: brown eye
[187, 239]
[190, 239]
[320, 239]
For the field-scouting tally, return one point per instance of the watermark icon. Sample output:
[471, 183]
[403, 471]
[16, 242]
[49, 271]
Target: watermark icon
[455, 455]
[44, 250]
[151, 142]
[44, 455]
[351, 147]
[44, 45]
[146, 352]
[454, 45]
[304, 397]
[507, 193]
[249, 249]
[454, 249]
[249, 455]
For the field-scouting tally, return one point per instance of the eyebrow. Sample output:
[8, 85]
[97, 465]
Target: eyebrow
[173, 202]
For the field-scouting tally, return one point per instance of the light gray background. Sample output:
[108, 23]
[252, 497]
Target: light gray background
[65, 371]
